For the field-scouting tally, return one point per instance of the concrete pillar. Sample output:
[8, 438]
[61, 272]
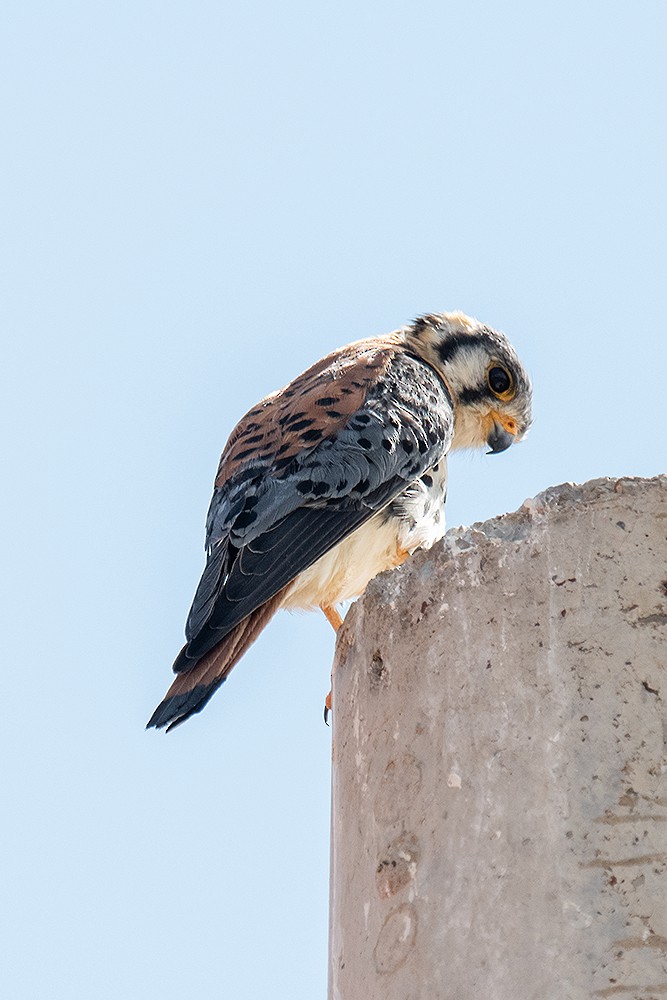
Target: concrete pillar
[499, 821]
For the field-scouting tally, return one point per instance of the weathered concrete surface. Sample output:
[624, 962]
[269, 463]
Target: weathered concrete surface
[499, 776]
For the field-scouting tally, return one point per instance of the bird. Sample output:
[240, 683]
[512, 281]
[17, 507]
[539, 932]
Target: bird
[338, 476]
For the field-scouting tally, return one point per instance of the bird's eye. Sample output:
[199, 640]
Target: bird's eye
[500, 381]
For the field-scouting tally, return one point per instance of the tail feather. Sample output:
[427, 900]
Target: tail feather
[191, 691]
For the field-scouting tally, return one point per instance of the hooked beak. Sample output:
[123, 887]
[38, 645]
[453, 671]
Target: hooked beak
[499, 438]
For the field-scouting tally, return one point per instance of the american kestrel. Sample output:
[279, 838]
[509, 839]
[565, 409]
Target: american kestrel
[341, 475]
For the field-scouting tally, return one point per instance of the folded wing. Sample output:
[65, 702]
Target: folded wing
[301, 472]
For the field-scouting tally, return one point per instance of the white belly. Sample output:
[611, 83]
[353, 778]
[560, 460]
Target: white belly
[414, 520]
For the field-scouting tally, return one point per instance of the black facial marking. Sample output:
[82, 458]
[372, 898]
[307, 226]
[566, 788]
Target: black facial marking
[467, 396]
[452, 345]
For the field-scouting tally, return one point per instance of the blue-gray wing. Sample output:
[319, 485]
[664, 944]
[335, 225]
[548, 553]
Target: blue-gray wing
[306, 468]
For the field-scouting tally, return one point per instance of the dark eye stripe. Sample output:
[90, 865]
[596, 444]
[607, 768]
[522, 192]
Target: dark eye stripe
[473, 395]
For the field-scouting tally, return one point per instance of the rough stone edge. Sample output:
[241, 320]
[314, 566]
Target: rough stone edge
[516, 526]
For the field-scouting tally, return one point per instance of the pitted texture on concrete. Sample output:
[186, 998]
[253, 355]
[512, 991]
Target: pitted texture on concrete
[499, 779]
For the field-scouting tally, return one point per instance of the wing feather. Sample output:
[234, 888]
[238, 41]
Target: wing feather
[288, 501]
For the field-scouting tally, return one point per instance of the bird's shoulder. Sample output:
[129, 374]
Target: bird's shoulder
[362, 415]
[311, 407]
[292, 421]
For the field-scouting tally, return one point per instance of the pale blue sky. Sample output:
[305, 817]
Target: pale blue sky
[200, 199]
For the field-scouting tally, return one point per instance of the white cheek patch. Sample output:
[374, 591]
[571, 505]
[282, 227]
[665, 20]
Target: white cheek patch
[468, 431]
[467, 369]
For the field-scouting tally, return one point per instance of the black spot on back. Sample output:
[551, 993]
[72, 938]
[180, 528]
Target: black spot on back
[244, 454]
[245, 518]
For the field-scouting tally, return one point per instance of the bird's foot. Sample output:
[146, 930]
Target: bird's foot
[401, 556]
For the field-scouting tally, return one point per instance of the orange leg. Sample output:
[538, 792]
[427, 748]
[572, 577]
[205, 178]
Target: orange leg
[332, 616]
[335, 621]
[401, 556]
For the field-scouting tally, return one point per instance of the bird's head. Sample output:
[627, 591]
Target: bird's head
[490, 390]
